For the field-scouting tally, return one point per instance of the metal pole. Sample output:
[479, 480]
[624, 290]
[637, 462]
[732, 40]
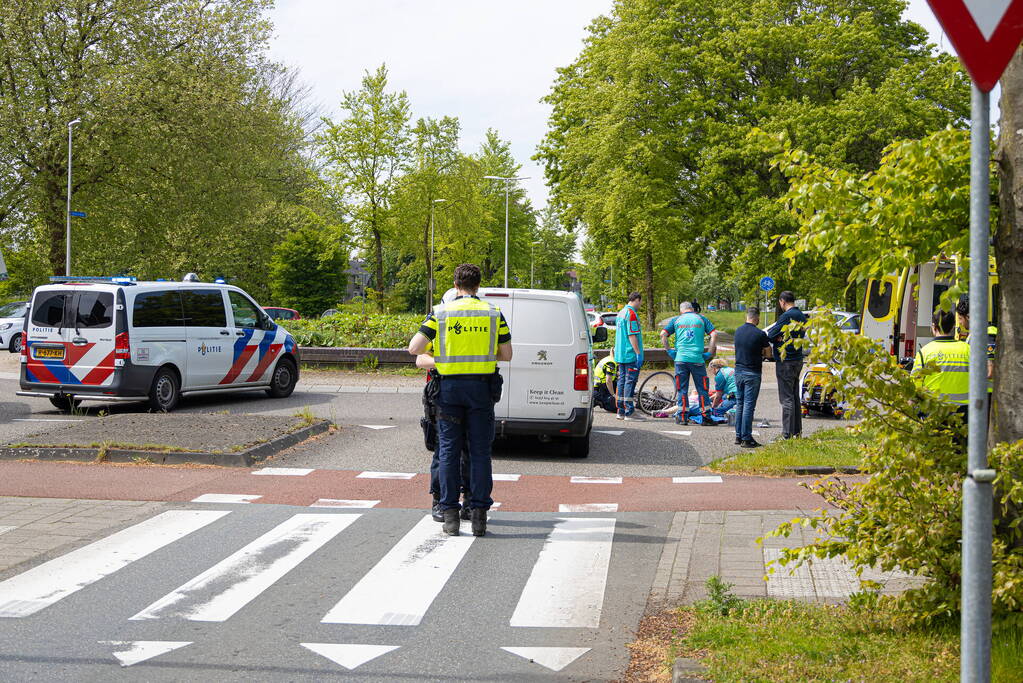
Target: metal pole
[429, 275]
[975, 628]
[67, 232]
[532, 245]
[507, 188]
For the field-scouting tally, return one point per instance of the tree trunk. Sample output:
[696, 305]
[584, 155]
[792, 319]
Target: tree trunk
[54, 218]
[648, 283]
[1007, 411]
[379, 248]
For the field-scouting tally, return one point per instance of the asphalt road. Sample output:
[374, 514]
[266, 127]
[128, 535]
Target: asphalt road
[240, 593]
[380, 431]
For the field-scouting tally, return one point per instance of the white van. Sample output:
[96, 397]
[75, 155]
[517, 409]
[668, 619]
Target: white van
[548, 386]
[114, 339]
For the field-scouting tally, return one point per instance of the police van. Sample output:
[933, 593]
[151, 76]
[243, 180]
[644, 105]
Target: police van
[115, 339]
[548, 388]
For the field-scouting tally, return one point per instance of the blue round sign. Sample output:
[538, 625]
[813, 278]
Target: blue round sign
[767, 283]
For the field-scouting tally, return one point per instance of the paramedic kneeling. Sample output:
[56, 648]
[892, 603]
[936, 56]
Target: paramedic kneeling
[469, 337]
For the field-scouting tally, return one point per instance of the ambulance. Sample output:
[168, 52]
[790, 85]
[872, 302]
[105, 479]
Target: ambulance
[116, 339]
[897, 308]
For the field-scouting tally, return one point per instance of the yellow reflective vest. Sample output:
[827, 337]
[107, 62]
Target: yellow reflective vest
[952, 358]
[467, 332]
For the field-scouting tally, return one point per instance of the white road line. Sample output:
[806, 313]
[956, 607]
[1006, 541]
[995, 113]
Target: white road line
[141, 650]
[338, 503]
[386, 475]
[595, 480]
[379, 426]
[566, 586]
[554, 658]
[5, 529]
[226, 498]
[240, 578]
[681, 433]
[284, 471]
[399, 590]
[42, 586]
[507, 477]
[696, 480]
[612, 432]
[349, 655]
[588, 507]
[40, 419]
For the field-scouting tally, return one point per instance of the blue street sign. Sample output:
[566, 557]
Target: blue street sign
[77, 214]
[767, 283]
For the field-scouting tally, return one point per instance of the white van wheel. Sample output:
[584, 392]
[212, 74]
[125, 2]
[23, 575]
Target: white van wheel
[164, 394]
[579, 446]
[284, 379]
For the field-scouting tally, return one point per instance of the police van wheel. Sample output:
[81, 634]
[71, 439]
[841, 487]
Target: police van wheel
[64, 403]
[165, 392]
[579, 446]
[284, 379]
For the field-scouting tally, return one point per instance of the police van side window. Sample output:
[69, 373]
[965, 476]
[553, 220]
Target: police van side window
[245, 313]
[95, 310]
[158, 309]
[204, 308]
[49, 309]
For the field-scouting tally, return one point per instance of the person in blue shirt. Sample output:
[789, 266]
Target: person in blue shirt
[689, 328]
[789, 363]
[723, 399]
[629, 355]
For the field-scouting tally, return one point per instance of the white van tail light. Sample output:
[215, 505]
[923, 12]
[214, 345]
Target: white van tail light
[582, 372]
[122, 349]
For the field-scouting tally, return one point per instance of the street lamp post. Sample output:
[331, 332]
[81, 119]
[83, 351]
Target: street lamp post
[430, 284]
[67, 254]
[507, 189]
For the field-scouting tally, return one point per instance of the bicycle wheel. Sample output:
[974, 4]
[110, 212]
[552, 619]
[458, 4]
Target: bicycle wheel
[657, 392]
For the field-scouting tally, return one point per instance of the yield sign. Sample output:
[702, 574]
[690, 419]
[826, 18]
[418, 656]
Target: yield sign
[985, 33]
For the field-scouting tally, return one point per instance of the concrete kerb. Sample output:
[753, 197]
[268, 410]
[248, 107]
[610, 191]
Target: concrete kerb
[242, 458]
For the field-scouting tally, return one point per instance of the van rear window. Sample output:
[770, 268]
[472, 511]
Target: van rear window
[542, 322]
[95, 310]
[48, 310]
[158, 309]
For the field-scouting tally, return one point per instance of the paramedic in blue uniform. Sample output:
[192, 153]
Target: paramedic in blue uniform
[469, 337]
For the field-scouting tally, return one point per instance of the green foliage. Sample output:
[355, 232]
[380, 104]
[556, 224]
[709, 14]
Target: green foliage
[836, 447]
[307, 271]
[372, 330]
[908, 516]
[720, 600]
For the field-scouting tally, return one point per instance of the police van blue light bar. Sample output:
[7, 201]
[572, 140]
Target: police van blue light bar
[117, 279]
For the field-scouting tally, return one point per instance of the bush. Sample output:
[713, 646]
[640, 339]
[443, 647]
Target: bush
[307, 271]
[908, 516]
[371, 330]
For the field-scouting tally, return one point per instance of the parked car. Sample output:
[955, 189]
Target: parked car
[280, 313]
[12, 322]
[595, 320]
[548, 386]
[114, 339]
[329, 312]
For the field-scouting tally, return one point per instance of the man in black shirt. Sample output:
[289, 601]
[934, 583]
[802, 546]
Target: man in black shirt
[790, 363]
[751, 346]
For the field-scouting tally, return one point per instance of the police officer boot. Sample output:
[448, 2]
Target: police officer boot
[451, 522]
[436, 512]
[479, 521]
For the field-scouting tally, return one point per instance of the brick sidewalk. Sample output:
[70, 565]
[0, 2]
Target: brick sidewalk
[33, 527]
[705, 544]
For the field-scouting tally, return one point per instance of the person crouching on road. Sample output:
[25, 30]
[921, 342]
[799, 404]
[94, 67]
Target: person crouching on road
[689, 328]
[723, 398]
[629, 352]
[605, 382]
[469, 337]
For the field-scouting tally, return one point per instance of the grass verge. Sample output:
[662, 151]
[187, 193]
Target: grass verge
[827, 448]
[782, 641]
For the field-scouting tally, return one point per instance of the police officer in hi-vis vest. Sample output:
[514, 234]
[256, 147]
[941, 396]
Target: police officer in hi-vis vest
[951, 357]
[469, 336]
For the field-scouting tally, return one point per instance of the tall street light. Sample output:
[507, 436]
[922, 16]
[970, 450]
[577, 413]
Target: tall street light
[531, 245]
[507, 189]
[67, 254]
[430, 284]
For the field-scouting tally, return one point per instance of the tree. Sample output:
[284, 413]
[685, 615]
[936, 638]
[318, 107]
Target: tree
[307, 271]
[710, 285]
[190, 140]
[366, 153]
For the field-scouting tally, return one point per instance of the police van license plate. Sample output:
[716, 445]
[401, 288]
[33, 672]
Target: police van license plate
[49, 352]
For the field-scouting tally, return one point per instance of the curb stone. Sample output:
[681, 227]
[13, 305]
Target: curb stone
[683, 670]
[818, 469]
[242, 458]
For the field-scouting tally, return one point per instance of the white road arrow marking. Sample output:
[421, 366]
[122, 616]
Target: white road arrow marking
[386, 475]
[399, 590]
[595, 480]
[696, 480]
[554, 658]
[612, 432]
[566, 586]
[987, 14]
[42, 586]
[240, 578]
[350, 656]
[677, 432]
[379, 426]
[141, 650]
[284, 471]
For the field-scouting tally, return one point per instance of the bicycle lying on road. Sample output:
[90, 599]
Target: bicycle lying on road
[657, 393]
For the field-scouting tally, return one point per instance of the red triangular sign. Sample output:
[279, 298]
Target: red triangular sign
[985, 33]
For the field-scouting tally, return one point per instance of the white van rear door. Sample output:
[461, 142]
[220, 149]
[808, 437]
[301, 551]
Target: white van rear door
[90, 355]
[546, 339]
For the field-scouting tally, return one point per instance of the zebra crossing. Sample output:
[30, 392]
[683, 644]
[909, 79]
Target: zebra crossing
[371, 591]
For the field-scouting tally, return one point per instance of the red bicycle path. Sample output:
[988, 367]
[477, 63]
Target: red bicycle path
[531, 493]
